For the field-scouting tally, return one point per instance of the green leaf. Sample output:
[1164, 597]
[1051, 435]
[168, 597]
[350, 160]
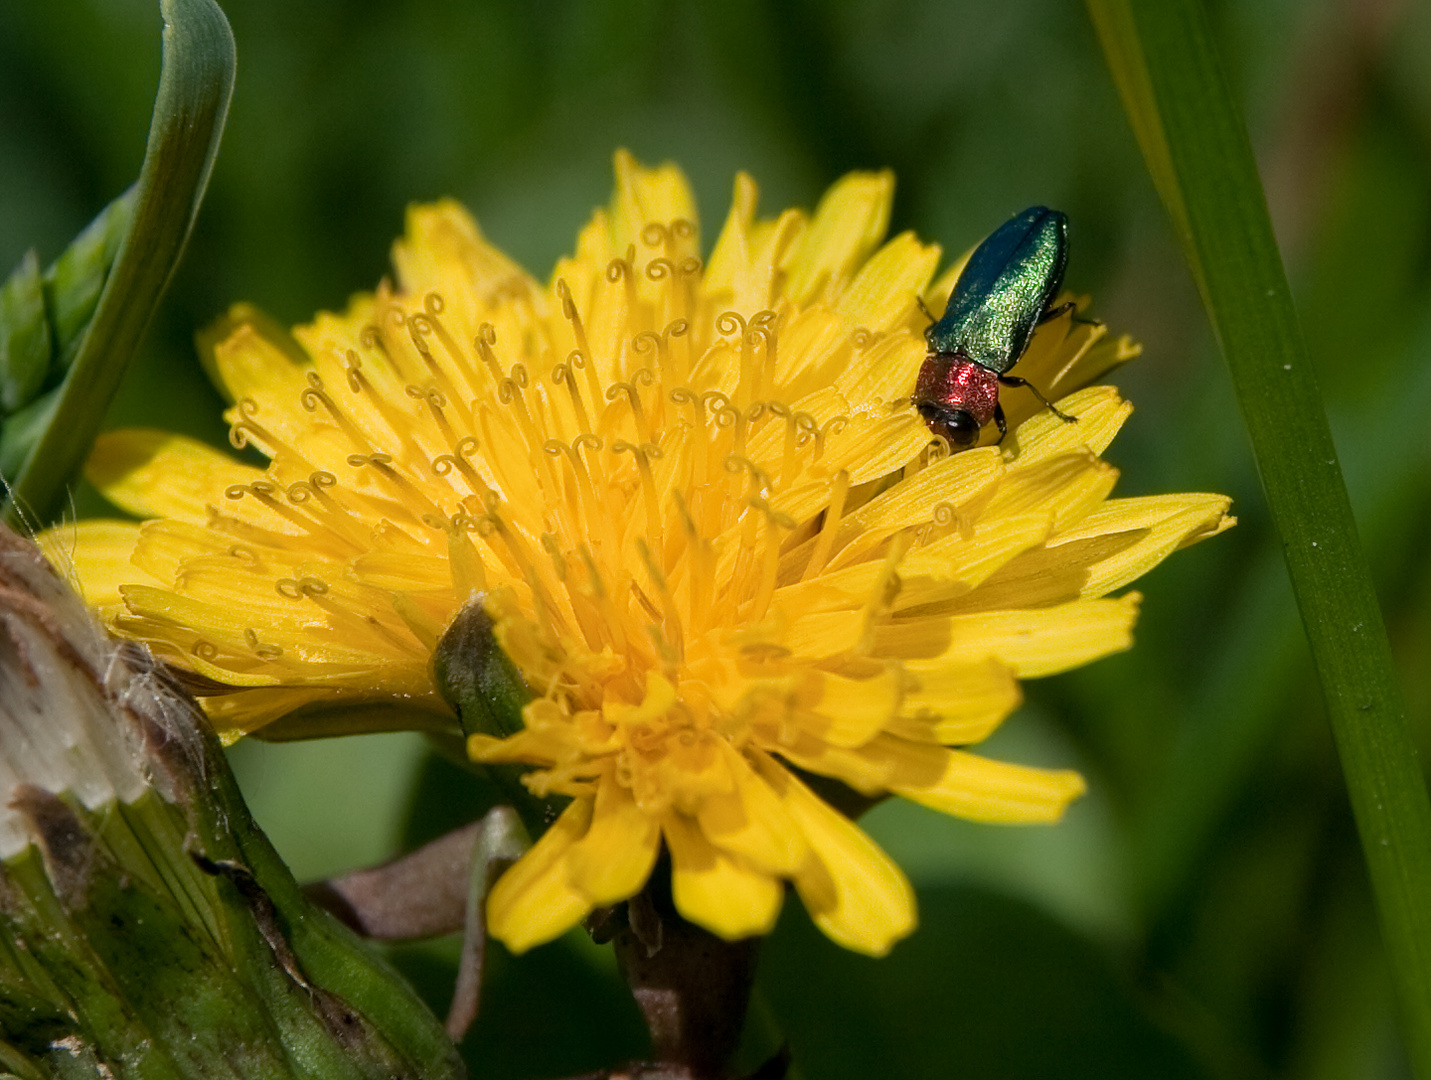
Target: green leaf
[23, 429]
[42, 322]
[75, 280]
[24, 336]
[1165, 64]
[101, 294]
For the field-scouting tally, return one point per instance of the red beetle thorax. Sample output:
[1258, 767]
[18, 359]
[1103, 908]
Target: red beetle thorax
[956, 382]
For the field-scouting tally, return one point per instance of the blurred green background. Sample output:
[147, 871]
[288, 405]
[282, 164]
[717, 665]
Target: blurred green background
[1204, 911]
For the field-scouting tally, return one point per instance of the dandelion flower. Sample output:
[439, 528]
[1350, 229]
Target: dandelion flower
[713, 535]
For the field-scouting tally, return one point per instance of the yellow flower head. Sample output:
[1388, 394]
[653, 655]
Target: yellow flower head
[714, 535]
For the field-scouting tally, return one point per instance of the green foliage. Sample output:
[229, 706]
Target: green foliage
[43, 318]
[24, 336]
[102, 291]
[1166, 66]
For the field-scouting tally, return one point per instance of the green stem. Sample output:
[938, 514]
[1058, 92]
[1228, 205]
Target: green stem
[194, 90]
[1191, 132]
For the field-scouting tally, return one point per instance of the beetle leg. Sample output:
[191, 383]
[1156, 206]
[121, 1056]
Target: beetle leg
[1002, 424]
[922, 307]
[1054, 312]
[1014, 380]
[1064, 308]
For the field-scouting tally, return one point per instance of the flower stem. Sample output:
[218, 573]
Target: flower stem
[692, 987]
[1164, 62]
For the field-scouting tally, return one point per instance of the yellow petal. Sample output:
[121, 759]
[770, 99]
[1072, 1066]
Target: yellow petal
[882, 369]
[1100, 412]
[1161, 524]
[164, 550]
[821, 633]
[815, 347]
[752, 823]
[718, 891]
[443, 249]
[866, 769]
[1094, 356]
[874, 445]
[972, 787]
[850, 220]
[656, 702]
[1032, 643]
[529, 746]
[731, 255]
[248, 709]
[252, 367]
[692, 768]
[230, 648]
[954, 482]
[242, 314]
[96, 556]
[396, 570]
[534, 901]
[963, 703]
[614, 859]
[832, 707]
[953, 566]
[951, 781]
[853, 890]
[153, 473]
[645, 195]
[1064, 355]
[1106, 550]
[883, 292]
[1068, 487]
[744, 271]
[882, 764]
[850, 712]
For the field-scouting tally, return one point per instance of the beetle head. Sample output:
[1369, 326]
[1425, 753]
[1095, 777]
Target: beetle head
[958, 426]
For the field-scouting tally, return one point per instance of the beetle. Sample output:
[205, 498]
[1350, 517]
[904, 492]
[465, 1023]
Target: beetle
[1004, 291]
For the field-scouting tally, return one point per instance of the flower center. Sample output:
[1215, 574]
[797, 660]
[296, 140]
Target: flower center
[638, 505]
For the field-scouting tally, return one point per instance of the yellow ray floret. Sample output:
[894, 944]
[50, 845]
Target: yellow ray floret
[713, 535]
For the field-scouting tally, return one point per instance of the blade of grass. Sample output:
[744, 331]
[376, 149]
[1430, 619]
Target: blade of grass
[195, 85]
[1165, 64]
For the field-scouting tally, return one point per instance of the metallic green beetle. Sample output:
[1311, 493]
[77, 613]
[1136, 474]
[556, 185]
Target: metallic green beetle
[1001, 296]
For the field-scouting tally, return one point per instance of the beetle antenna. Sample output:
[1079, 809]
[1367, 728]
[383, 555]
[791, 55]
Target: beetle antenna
[927, 313]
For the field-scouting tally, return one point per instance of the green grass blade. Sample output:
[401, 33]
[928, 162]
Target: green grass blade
[1192, 135]
[194, 90]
